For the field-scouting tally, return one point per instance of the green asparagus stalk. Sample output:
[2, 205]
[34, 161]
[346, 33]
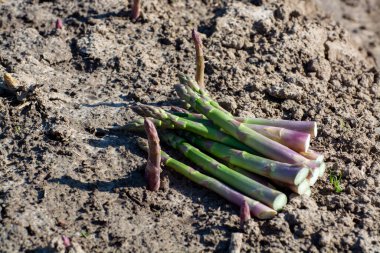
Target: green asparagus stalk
[270, 197]
[256, 208]
[188, 125]
[137, 125]
[153, 168]
[287, 173]
[251, 138]
[200, 61]
[253, 176]
[300, 189]
[192, 84]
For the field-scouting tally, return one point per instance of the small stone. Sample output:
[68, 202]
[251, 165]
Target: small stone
[364, 199]
[236, 242]
[285, 91]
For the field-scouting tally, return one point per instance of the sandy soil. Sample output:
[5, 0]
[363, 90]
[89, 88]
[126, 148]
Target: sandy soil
[282, 59]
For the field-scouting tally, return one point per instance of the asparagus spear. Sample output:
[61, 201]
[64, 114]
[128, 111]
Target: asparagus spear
[251, 138]
[153, 168]
[306, 127]
[270, 197]
[257, 209]
[136, 6]
[137, 125]
[188, 125]
[200, 61]
[309, 127]
[287, 173]
[297, 141]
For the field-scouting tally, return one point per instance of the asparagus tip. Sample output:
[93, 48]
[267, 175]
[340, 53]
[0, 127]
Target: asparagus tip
[197, 38]
[135, 14]
[152, 171]
[200, 61]
[58, 24]
[245, 214]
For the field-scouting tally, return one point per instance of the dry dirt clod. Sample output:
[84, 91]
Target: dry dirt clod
[236, 243]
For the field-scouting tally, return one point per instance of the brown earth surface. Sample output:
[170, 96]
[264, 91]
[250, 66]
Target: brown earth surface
[288, 59]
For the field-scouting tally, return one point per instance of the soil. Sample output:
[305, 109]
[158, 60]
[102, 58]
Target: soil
[61, 175]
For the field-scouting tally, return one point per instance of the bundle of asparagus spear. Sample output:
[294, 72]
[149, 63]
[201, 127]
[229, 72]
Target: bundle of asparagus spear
[247, 160]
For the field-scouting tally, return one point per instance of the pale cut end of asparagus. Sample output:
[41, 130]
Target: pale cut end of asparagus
[313, 176]
[322, 169]
[315, 130]
[301, 176]
[301, 188]
[280, 201]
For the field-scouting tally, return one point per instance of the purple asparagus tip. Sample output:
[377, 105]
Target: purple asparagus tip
[245, 214]
[66, 241]
[197, 38]
[58, 24]
[135, 10]
[153, 169]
